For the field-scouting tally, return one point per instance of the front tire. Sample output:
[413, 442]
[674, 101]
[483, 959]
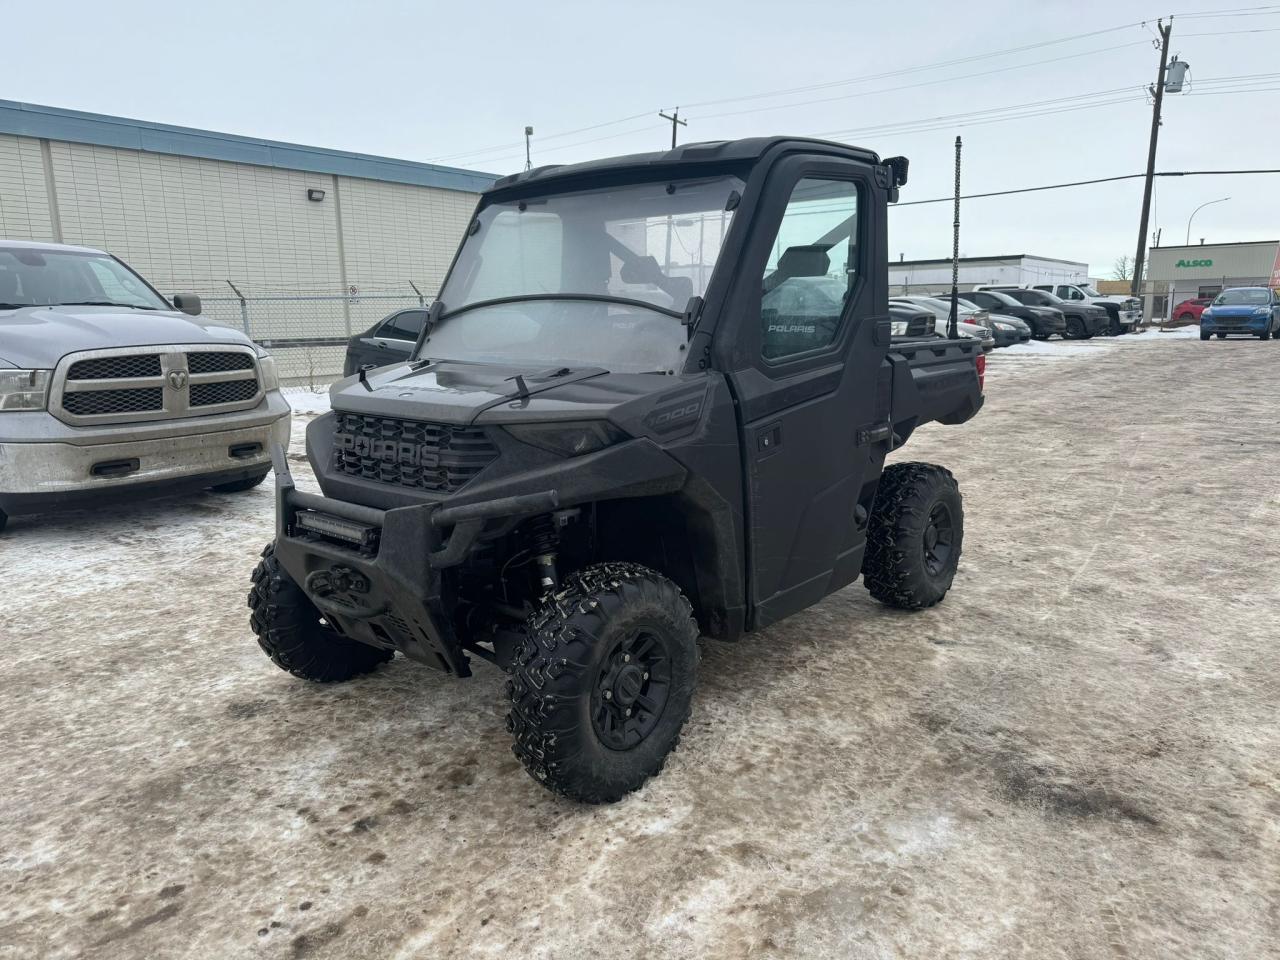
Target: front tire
[914, 537]
[236, 486]
[289, 630]
[1205, 334]
[1265, 334]
[603, 683]
[1075, 329]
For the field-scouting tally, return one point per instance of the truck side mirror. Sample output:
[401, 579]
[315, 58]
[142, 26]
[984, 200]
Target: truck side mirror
[187, 303]
[898, 169]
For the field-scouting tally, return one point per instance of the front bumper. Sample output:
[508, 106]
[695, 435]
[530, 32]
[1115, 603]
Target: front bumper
[1247, 325]
[377, 575]
[41, 475]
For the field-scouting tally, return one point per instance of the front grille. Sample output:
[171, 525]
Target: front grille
[228, 391]
[423, 456]
[96, 403]
[116, 368]
[214, 362]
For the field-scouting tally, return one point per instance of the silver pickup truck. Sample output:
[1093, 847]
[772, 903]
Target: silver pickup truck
[108, 389]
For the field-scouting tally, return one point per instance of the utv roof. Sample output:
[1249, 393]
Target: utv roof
[711, 151]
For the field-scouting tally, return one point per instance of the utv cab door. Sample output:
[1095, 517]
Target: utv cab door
[808, 372]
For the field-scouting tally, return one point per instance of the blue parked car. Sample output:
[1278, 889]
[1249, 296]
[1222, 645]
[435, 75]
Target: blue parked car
[1250, 310]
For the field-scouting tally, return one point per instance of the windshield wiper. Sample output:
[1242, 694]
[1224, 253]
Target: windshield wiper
[571, 297]
[102, 303]
[13, 306]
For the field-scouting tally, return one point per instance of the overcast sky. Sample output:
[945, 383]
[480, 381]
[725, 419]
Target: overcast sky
[457, 82]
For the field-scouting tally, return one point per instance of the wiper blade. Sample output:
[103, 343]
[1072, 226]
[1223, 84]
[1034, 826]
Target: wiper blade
[102, 303]
[13, 306]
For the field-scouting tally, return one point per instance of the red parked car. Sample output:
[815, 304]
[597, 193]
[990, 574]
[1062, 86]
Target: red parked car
[1188, 311]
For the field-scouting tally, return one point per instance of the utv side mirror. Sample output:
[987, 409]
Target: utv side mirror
[898, 168]
[187, 303]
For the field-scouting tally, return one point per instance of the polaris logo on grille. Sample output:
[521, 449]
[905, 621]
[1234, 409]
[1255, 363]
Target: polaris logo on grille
[388, 451]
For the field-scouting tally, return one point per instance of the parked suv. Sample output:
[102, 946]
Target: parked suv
[106, 388]
[1043, 321]
[1084, 320]
[390, 340]
[1125, 313]
[1253, 311]
[1188, 311]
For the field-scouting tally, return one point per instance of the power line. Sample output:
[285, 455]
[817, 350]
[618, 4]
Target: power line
[1086, 183]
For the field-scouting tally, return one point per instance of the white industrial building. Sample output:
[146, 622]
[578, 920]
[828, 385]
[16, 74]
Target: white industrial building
[924, 276]
[1206, 269]
[300, 245]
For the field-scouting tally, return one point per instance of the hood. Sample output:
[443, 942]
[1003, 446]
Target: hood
[38, 337]
[448, 391]
[1045, 311]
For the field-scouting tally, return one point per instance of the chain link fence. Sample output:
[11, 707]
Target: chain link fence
[306, 332]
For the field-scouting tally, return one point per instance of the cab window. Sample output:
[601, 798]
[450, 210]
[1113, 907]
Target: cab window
[812, 268]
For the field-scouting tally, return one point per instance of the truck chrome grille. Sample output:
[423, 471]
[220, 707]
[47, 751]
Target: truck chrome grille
[97, 403]
[423, 456]
[134, 384]
[228, 391]
[116, 368]
[218, 362]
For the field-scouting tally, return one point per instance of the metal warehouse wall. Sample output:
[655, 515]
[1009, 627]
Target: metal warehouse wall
[1220, 266]
[207, 226]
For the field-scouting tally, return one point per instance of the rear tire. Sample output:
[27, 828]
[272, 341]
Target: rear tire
[603, 683]
[1187, 318]
[289, 630]
[914, 537]
[236, 486]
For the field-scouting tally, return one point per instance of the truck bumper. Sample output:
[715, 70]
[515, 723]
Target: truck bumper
[37, 476]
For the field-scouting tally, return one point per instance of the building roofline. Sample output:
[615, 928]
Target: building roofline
[74, 126]
[1201, 246]
[1007, 256]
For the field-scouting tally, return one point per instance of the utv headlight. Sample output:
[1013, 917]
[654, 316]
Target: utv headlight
[268, 371]
[24, 389]
[568, 439]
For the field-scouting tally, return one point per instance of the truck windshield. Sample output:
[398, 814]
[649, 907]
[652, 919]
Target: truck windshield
[34, 277]
[1087, 290]
[592, 278]
[1243, 296]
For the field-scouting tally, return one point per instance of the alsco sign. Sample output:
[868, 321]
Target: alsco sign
[1194, 263]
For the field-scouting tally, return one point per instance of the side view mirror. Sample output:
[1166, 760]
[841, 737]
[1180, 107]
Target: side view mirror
[188, 303]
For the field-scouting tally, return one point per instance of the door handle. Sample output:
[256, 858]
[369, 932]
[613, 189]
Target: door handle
[381, 344]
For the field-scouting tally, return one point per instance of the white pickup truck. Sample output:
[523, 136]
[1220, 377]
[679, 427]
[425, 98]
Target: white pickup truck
[108, 389]
[1125, 312]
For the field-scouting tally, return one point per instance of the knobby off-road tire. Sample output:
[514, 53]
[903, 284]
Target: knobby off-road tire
[235, 486]
[290, 632]
[602, 685]
[914, 537]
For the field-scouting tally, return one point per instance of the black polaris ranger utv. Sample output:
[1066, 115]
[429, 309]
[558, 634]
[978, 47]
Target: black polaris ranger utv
[652, 402]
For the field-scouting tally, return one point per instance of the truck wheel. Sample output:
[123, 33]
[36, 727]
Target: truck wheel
[235, 486]
[1075, 328]
[602, 684]
[291, 634]
[914, 537]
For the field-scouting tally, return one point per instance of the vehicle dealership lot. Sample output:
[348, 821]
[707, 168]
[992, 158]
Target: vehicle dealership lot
[1076, 754]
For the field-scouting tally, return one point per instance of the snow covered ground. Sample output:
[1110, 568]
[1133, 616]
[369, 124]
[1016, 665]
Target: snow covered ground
[1075, 755]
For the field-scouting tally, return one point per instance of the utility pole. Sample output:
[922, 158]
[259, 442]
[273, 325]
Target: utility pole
[528, 162]
[1157, 92]
[952, 330]
[674, 117]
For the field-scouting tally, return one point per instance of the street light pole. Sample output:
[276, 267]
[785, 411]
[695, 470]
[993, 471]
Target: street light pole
[1197, 210]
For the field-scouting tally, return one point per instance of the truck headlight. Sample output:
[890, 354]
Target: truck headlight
[24, 389]
[268, 372]
[568, 439]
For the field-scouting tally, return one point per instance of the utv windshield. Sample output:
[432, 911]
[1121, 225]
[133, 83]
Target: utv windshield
[595, 278]
[35, 277]
[1243, 296]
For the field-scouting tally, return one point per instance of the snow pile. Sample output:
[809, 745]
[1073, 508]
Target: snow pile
[304, 400]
